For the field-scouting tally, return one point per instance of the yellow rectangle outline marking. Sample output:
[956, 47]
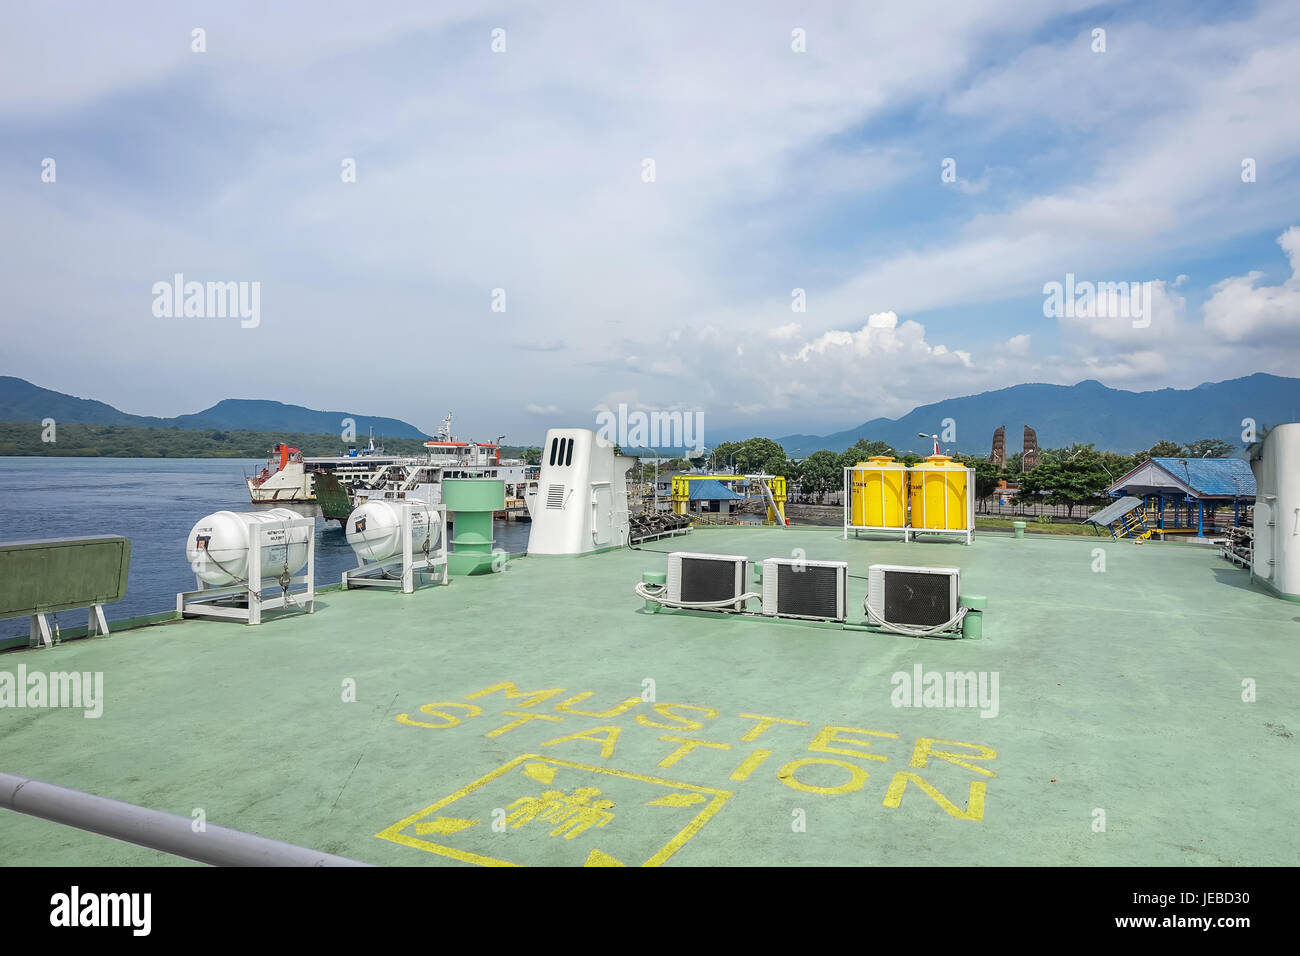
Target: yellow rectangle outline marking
[394, 834]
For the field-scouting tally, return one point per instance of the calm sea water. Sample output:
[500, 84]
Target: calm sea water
[154, 502]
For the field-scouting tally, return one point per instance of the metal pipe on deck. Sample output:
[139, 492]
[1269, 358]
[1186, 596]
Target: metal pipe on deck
[214, 845]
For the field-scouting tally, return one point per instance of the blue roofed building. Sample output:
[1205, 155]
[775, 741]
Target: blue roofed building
[1186, 495]
[711, 495]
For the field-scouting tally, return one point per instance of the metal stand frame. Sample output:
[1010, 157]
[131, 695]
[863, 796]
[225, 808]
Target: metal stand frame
[204, 601]
[969, 531]
[41, 635]
[848, 506]
[908, 530]
[376, 574]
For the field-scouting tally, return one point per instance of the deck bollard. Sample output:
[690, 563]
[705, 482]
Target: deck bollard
[1020, 528]
[972, 625]
[659, 578]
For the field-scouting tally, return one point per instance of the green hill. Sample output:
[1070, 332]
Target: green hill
[21, 401]
[126, 441]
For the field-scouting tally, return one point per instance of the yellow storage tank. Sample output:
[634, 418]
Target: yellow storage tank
[937, 490]
[878, 497]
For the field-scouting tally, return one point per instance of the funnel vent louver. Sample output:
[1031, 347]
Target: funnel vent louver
[555, 496]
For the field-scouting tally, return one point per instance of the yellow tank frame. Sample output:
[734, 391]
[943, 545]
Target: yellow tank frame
[862, 468]
[908, 529]
[681, 492]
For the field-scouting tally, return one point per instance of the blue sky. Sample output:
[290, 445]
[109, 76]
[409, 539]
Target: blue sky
[522, 170]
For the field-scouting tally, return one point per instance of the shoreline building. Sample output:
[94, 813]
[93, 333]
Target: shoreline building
[1188, 495]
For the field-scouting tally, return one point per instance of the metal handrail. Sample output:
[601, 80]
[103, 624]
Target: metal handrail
[168, 832]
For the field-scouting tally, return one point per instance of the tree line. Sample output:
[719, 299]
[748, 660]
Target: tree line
[131, 441]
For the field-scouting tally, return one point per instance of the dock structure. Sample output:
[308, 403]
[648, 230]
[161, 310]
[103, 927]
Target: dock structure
[705, 495]
[1189, 495]
[604, 735]
[1125, 518]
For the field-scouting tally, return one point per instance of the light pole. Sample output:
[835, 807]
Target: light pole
[656, 485]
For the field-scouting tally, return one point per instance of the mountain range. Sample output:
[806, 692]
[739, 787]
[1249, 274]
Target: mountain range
[1110, 418]
[21, 401]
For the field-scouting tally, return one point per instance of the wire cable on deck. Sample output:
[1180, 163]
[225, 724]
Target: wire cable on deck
[909, 630]
[656, 592]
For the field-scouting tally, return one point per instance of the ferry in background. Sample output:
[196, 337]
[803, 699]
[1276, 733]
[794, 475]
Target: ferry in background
[350, 480]
[288, 476]
[423, 482]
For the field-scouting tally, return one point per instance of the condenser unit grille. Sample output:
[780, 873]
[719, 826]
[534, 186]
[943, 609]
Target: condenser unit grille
[555, 496]
[814, 592]
[915, 597]
[707, 580]
[694, 577]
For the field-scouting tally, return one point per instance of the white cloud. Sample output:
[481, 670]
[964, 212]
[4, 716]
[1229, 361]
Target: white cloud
[1242, 311]
[889, 365]
[1162, 172]
[520, 171]
[1160, 321]
[881, 336]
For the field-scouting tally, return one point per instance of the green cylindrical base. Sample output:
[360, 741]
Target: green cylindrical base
[1020, 528]
[653, 577]
[469, 562]
[972, 625]
[473, 500]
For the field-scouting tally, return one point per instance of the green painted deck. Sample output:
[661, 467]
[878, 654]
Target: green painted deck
[1119, 692]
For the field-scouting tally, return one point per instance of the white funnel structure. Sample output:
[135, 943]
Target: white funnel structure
[581, 503]
[1276, 556]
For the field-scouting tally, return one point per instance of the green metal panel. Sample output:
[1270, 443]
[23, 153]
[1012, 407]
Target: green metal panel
[333, 499]
[60, 574]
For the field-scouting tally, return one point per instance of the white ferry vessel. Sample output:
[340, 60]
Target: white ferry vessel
[371, 472]
[423, 480]
[287, 475]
